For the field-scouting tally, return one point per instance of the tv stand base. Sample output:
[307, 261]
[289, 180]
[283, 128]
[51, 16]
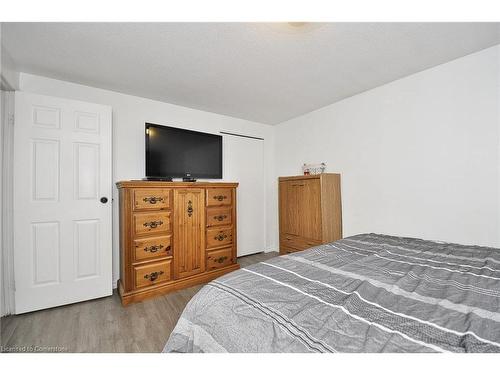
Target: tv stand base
[166, 179]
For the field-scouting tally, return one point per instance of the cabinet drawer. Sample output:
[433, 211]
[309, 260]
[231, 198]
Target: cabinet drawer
[151, 199]
[219, 197]
[287, 250]
[299, 243]
[152, 247]
[154, 273]
[157, 222]
[219, 216]
[219, 258]
[218, 237]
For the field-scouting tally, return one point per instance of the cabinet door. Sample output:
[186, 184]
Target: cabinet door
[310, 209]
[189, 232]
[300, 208]
[289, 208]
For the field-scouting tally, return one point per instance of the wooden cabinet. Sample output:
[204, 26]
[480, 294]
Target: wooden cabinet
[174, 235]
[310, 211]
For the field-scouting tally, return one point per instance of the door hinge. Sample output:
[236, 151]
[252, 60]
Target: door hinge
[11, 120]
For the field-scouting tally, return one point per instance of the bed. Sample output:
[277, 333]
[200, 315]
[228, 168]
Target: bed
[366, 293]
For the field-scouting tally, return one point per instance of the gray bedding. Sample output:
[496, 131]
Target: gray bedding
[366, 293]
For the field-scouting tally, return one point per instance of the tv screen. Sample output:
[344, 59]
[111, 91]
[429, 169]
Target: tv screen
[174, 152]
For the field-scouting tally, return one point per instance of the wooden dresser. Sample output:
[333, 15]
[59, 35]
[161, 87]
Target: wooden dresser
[174, 235]
[310, 211]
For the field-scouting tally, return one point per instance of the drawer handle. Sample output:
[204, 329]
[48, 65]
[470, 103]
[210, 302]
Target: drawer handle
[220, 259]
[153, 224]
[190, 208]
[153, 200]
[153, 275]
[220, 237]
[220, 217]
[154, 248]
[220, 198]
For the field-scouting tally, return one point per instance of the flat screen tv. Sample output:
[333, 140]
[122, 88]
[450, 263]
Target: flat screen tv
[173, 152]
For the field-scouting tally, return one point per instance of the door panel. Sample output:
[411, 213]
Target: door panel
[86, 156]
[189, 232]
[300, 207]
[310, 209]
[291, 202]
[62, 232]
[86, 234]
[46, 253]
[45, 169]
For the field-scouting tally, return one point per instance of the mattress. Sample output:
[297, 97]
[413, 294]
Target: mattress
[366, 293]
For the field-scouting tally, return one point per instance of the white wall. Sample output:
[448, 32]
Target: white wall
[129, 115]
[9, 74]
[418, 157]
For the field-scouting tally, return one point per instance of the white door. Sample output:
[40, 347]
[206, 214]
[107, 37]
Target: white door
[244, 163]
[62, 230]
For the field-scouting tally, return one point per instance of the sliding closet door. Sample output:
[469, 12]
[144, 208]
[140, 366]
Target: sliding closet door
[62, 201]
[244, 163]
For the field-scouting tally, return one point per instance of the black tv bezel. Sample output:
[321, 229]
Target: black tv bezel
[208, 135]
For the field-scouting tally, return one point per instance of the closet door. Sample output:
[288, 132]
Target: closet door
[189, 232]
[244, 163]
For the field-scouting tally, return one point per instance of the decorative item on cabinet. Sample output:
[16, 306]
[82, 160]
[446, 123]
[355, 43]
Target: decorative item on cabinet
[309, 169]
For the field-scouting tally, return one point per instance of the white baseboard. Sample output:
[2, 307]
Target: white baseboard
[272, 249]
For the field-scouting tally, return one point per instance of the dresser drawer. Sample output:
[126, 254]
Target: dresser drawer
[287, 250]
[219, 258]
[152, 247]
[156, 222]
[298, 243]
[219, 197]
[151, 199]
[218, 216]
[218, 237]
[154, 273]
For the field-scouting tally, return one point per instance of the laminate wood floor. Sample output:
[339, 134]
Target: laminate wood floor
[103, 325]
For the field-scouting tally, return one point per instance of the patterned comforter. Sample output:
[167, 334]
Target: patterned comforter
[366, 293]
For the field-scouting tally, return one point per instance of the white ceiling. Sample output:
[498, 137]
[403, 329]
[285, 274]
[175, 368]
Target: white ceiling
[256, 71]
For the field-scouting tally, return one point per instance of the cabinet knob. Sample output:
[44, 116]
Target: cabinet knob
[154, 248]
[153, 275]
[220, 237]
[220, 259]
[153, 224]
[153, 200]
